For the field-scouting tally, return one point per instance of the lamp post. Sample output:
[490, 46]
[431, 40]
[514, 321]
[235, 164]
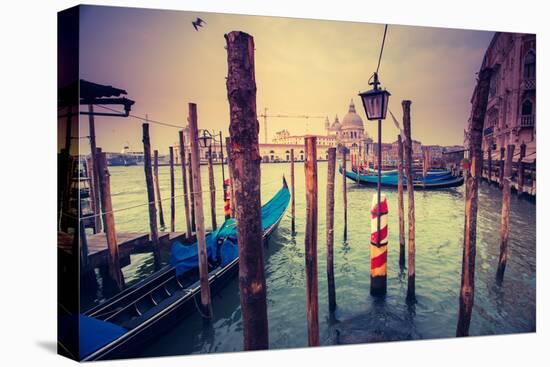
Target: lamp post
[375, 102]
[205, 140]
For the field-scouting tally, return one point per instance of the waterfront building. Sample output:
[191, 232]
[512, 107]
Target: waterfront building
[510, 117]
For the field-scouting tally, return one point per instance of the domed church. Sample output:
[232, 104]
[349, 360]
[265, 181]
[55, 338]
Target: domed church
[350, 133]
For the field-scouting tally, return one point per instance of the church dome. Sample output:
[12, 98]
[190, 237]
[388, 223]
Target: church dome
[352, 120]
[336, 125]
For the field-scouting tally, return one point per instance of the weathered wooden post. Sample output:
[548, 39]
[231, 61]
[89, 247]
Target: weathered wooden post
[172, 193]
[151, 195]
[245, 167]
[501, 167]
[466, 301]
[411, 272]
[225, 196]
[212, 186]
[521, 169]
[157, 189]
[104, 180]
[505, 213]
[206, 304]
[400, 202]
[185, 192]
[490, 164]
[331, 170]
[231, 186]
[312, 306]
[94, 170]
[192, 194]
[292, 202]
[424, 162]
[94, 192]
[345, 192]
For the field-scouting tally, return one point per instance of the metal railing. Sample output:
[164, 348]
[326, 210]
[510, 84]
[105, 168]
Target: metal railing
[527, 121]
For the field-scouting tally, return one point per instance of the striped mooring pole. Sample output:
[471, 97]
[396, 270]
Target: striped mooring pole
[227, 198]
[378, 247]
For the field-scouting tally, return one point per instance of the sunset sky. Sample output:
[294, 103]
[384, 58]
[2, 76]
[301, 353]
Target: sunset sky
[302, 67]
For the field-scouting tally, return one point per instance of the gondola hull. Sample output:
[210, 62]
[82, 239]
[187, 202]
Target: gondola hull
[183, 301]
[430, 182]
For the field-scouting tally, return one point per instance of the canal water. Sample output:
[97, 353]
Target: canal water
[509, 308]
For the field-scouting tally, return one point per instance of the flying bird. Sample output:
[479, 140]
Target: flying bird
[198, 23]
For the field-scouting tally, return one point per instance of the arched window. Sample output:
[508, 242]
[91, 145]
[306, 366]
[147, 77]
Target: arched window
[529, 65]
[527, 108]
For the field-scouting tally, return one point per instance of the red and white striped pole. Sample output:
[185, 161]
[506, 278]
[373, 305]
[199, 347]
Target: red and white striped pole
[227, 198]
[378, 247]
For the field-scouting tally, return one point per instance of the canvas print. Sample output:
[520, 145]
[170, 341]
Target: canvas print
[235, 182]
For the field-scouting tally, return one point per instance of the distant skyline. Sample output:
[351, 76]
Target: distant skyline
[303, 67]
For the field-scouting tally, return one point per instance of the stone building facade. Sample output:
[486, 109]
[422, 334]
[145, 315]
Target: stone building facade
[510, 117]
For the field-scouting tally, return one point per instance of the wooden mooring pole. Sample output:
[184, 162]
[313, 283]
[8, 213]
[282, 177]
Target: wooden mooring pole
[104, 180]
[293, 201]
[379, 245]
[400, 202]
[505, 213]
[94, 193]
[466, 301]
[331, 171]
[172, 193]
[192, 195]
[490, 164]
[245, 167]
[345, 193]
[157, 189]
[411, 270]
[93, 171]
[151, 195]
[521, 169]
[312, 306]
[206, 305]
[501, 167]
[231, 186]
[212, 186]
[189, 231]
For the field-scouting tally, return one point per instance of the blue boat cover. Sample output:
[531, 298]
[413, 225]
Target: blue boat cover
[95, 334]
[185, 257]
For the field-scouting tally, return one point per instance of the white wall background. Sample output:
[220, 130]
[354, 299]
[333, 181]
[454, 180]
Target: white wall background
[27, 182]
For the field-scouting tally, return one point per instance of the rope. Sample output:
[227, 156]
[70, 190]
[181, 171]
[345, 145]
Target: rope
[143, 118]
[149, 203]
[199, 309]
[382, 48]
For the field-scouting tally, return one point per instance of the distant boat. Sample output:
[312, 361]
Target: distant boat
[436, 180]
[393, 172]
[123, 324]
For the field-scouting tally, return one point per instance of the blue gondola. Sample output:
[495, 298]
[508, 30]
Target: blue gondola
[436, 180]
[431, 173]
[121, 325]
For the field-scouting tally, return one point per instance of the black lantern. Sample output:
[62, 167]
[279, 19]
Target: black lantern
[205, 140]
[375, 101]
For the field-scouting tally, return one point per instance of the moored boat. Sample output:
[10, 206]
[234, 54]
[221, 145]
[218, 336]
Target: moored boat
[441, 180]
[141, 312]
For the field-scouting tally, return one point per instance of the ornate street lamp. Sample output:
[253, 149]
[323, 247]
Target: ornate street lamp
[205, 140]
[375, 102]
